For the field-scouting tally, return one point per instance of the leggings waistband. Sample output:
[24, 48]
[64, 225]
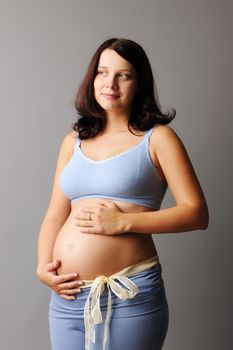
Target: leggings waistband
[93, 315]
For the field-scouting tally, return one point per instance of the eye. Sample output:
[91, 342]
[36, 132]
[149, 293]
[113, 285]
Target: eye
[124, 75]
[100, 72]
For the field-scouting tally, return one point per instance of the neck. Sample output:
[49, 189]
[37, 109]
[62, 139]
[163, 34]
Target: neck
[116, 121]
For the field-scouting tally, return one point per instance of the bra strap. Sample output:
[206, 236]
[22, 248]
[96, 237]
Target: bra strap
[148, 134]
[76, 145]
[147, 137]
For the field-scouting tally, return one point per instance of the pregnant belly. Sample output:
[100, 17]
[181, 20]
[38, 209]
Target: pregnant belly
[92, 255]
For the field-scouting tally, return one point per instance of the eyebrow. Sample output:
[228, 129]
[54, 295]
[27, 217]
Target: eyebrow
[129, 70]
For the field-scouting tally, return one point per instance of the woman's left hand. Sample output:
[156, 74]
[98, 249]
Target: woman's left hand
[103, 218]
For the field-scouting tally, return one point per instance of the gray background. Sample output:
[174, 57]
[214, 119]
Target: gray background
[45, 49]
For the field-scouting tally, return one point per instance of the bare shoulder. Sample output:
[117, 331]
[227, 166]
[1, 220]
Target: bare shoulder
[169, 150]
[178, 168]
[68, 143]
[164, 132]
[165, 137]
[71, 137]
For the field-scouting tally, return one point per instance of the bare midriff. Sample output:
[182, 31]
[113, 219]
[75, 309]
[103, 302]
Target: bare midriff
[92, 255]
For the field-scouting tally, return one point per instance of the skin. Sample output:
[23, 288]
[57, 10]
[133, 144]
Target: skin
[168, 150]
[172, 162]
[124, 83]
[115, 76]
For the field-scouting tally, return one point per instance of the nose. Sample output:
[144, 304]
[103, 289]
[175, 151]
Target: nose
[111, 82]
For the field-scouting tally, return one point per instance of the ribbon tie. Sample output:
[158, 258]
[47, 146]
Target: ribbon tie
[93, 316]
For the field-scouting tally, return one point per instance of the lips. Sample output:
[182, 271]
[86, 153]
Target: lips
[111, 95]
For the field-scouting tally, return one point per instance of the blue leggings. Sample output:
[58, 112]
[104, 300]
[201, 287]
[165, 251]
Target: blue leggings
[139, 323]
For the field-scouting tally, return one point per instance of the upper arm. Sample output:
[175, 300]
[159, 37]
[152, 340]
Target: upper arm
[177, 167]
[59, 205]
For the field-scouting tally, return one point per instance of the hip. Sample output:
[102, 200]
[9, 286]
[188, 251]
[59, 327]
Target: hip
[105, 306]
[151, 296]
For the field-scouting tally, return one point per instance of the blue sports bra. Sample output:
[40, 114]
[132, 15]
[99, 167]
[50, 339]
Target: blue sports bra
[128, 176]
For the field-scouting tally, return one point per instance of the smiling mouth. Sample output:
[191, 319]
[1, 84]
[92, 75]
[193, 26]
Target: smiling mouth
[110, 97]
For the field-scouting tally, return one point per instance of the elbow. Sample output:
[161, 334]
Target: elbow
[204, 225]
[202, 217]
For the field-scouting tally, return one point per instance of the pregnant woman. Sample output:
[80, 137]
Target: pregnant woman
[95, 246]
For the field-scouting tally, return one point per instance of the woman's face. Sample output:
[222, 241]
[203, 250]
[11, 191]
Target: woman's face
[115, 76]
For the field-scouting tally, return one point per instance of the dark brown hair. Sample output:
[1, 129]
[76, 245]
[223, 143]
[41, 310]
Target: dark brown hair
[146, 110]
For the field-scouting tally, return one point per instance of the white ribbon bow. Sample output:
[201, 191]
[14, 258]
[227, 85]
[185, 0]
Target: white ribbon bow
[93, 316]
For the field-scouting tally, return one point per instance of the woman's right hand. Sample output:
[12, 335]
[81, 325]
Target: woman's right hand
[63, 285]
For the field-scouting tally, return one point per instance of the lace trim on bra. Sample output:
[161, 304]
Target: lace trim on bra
[146, 140]
[77, 147]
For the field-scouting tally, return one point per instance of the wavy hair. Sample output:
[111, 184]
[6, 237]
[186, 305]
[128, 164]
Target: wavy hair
[146, 110]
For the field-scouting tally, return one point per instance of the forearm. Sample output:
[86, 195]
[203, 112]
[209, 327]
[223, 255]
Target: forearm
[47, 236]
[180, 218]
